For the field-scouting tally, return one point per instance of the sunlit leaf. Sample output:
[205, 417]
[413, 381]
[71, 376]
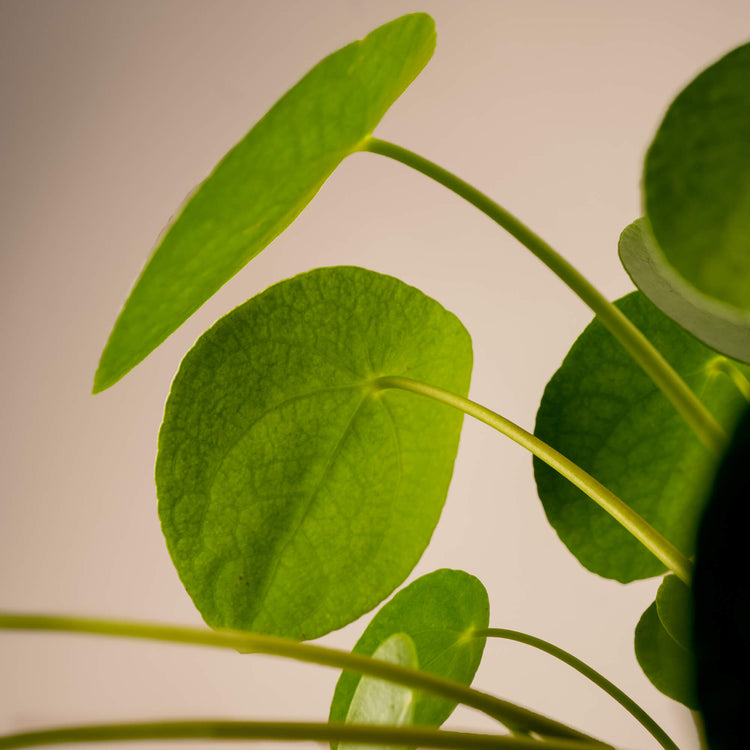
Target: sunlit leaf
[668, 665]
[381, 702]
[439, 611]
[294, 494]
[721, 600]
[722, 327]
[697, 192]
[601, 411]
[263, 183]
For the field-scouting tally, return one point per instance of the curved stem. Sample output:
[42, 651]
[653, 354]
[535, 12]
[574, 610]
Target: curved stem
[271, 730]
[640, 348]
[624, 700]
[700, 729]
[726, 367]
[498, 709]
[646, 534]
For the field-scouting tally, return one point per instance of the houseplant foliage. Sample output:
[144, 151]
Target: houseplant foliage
[309, 436]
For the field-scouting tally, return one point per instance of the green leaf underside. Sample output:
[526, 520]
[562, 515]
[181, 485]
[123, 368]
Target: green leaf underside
[293, 494]
[696, 184]
[438, 611]
[721, 600]
[601, 411]
[264, 182]
[722, 327]
[380, 702]
[668, 665]
[674, 607]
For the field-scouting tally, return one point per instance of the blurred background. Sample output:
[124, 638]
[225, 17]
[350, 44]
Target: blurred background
[111, 113]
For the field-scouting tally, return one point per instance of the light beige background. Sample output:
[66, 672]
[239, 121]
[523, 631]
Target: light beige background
[110, 113]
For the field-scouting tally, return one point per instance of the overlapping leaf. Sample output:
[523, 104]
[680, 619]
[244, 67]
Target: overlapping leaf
[601, 411]
[379, 701]
[674, 607]
[294, 494]
[721, 600]
[263, 183]
[722, 327]
[697, 191]
[665, 662]
[439, 611]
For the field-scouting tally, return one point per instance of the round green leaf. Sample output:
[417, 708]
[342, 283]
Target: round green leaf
[294, 494]
[668, 665]
[439, 611]
[721, 600]
[381, 702]
[264, 182]
[601, 411]
[724, 328]
[675, 609]
[697, 191]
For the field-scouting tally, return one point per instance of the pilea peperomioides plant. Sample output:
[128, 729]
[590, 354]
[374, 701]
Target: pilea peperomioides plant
[309, 436]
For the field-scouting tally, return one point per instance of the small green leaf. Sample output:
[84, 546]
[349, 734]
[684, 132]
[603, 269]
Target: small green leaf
[724, 328]
[294, 494]
[439, 611]
[721, 600]
[675, 609]
[381, 702]
[601, 411]
[668, 665]
[697, 191]
[264, 182]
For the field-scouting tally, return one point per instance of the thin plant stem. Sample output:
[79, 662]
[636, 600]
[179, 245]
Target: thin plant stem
[501, 710]
[724, 366]
[640, 348]
[598, 679]
[646, 534]
[282, 731]
[700, 728]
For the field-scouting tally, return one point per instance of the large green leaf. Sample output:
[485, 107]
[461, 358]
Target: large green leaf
[294, 494]
[381, 702]
[263, 183]
[722, 327]
[438, 611]
[721, 600]
[668, 665]
[601, 411]
[697, 190]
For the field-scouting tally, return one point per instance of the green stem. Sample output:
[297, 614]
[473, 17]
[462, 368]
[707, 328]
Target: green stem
[726, 367]
[640, 348]
[700, 729]
[663, 549]
[498, 709]
[279, 731]
[624, 700]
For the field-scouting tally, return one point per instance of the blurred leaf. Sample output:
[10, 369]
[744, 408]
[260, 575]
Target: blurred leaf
[295, 495]
[668, 665]
[721, 600]
[675, 609]
[381, 702]
[438, 611]
[264, 182]
[697, 192]
[601, 411]
[722, 327]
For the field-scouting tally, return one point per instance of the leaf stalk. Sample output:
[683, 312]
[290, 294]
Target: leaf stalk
[501, 710]
[646, 534]
[700, 420]
[589, 672]
[282, 731]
